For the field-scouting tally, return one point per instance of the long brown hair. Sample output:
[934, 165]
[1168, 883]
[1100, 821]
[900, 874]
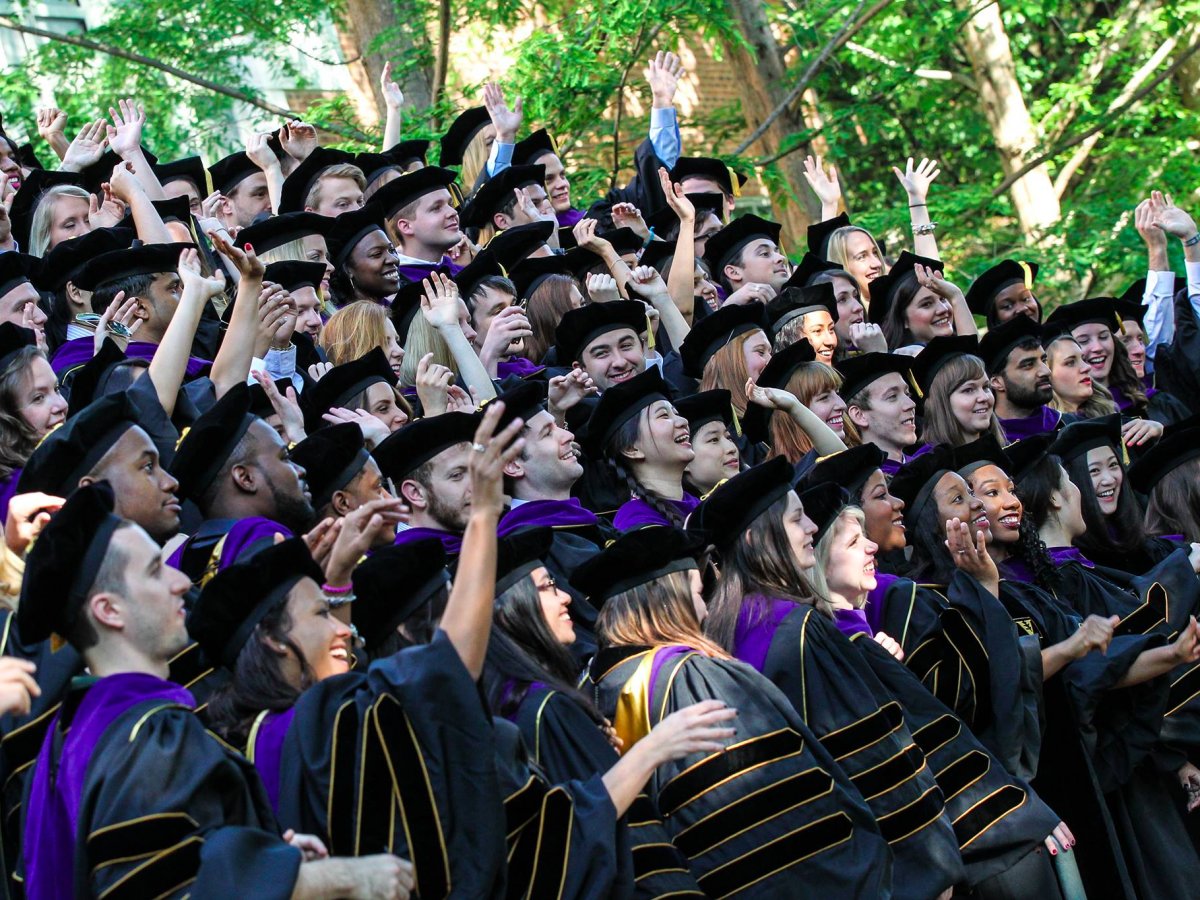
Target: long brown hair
[545, 307]
[727, 369]
[17, 438]
[940, 425]
[354, 331]
[1174, 504]
[787, 438]
[654, 613]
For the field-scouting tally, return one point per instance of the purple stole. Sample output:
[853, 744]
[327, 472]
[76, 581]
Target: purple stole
[545, 514]
[890, 467]
[53, 807]
[511, 689]
[569, 218]
[1060, 556]
[758, 620]
[72, 354]
[877, 599]
[451, 541]
[1015, 570]
[852, 621]
[8, 490]
[420, 271]
[243, 533]
[1044, 421]
[519, 366]
[144, 350]
[1123, 402]
[637, 513]
[266, 750]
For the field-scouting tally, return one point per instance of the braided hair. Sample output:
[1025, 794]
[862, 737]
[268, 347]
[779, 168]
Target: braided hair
[626, 437]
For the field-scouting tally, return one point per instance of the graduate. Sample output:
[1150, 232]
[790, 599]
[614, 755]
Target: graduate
[1020, 380]
[29, 401]
[880, 408]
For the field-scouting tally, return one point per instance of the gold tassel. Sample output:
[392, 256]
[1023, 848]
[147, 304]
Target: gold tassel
[649, 333]
[733, 182]
[1028, 274]
[737, 423]
[1120, 322]
[183, 434]
[912, 380]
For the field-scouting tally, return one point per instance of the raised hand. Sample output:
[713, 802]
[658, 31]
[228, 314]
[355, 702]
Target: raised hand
[971, 556]
[1170, 218]
[87, 148]
[675, 197]
[259, 151]
[505, 336]
[490, 453]
[27, 516]
[824, 182]
[700, 728]
[1144, 221]
[433, 384]
[51, 122]
[190, 274]
[585, 237]
[298, 139]
[440, 303]
[287, 407]
[123, 313]
[602, 288]
[507, 121]
[916, 180]
[372, 524]
[662, 73]
[751, 292]
[565, 391]
[936, 282]
[868, 337]
[125, 133]
[245, 261]
[458, 400]
[626, 215]
[276, 318]
[770, 398]
[649, 281]
[106, 213]
[374, 432]
[392, 95]
[123, 183]
[321, 538]
[17, 686]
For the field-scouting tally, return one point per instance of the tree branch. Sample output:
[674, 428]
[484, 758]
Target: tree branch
[853, 25]
[1109, 117]
[927, 74]
[215, 87]
[442, 62]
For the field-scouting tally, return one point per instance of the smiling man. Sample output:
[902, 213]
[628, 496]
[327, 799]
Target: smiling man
[746, 251]
[1020, 379]
[879, 404]
[604, 340]
[421, 215]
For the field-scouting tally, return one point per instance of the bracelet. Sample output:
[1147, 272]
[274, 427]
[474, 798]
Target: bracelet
[916, 205]
[925, 229]
[649, 240]
[343, 600]
[1193, 240]
[336, 590]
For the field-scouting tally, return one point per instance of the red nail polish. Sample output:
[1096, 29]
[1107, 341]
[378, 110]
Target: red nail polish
[1053, 852]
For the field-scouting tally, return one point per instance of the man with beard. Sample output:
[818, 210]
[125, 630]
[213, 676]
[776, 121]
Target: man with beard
[237, 470]
[1020, 379]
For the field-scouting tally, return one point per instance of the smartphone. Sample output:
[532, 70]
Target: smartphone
[93, 320]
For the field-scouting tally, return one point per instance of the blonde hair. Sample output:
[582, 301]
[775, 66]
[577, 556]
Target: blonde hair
[941, 425]
[475, 157]
[727, 369]
[341, 170]
[824, 550]
[786, 437]
[354, 331]
[39, 229]
[424, 338]
[1101, 402]
[655, 613]
[835, 249]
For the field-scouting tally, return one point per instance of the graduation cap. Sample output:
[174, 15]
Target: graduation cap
[530, 273]
[72, 450]
[398, 193]
[1134, 294]
[624, 240]
[89, 381]
[983, 290]
[14, 339]
[190, 168]
[484, 265]
[99, 172]
[399, 157]
[519, 554]
[1131, 309]
[29, 195]
[1002, 339]
[341, 383]
[293, 274]
[776, 374]
[793, 302]
[300, 182]
[707, 406]
[206, 446]
[523, 401]
[618, 405]
[237, 599]
[534, 147]
[392, 584]
[820, 232]
[883, 288]
[723, 246]
[849, 468]
[716, 330]
[63, 563]
[636, 558]
[823, 503]
[346, 231]
[260, 404]
[406, 306]
[417, 443]
[937, 353]
[27, 157]
[858, 372]
[331, 458]
[916, 479]
[17, 269]
[1095, 310]
[707, 167]
[513, 245]
[809, 267]
[115, 265]
[1180, 443]
[1078, 438]
[230, 171]
[1024, 455]
[730, 509]
[497, 191]
[657, 254]
[460, 134]
[579, 327]
[983, 451]
[279, 230]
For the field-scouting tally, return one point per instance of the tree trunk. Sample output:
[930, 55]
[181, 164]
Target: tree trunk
[763, 76]
[397, 25]
[1004, 107]
[1188, 76]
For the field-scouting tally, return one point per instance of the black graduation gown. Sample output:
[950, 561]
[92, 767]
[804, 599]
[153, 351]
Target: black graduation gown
[773, 816]
[566, 743]
[1177, 365]
[643, 190]
[399, 759]
[864, 729]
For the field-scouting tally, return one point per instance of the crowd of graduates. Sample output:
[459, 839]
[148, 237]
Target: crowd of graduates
[375, 528]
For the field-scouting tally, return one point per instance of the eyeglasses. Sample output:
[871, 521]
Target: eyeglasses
[550, 585]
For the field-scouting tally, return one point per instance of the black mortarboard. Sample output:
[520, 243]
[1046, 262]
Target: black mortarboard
[417, 443]
[484, 265]
[581, 263]
[497, 191]
[405, 153]
[460, 133]
[937, 353]
[624, 240]
[205, 448]
[730, 180]
[706, 406]
[537, 145]
[809, 267]
[279, 230]
[1000, 340]
[1067, 318]
[17, 269]
[237, 598]
[346, 231]
[665, 221]
[1180, 443]
[983, 290]
[819, 232]
[392, 584]
[916, 479]
[531, 272]
[72, 450]
[1130, 309]
[883, 288]
[300, 182]
[406, 305]
[513, 245]
[714, 331]
[227, 173]
[721, 248]
[398, 157]
[341, 383]
[859, 371]
[657, 254]
[14, 339]
[579, 327]
[28, 158]
[147, 259]
[1078, 438]
[523, 401]
[731, 508]
[793, 302]
[99, 172]
[1133, 294]
[190, 168]
[30, 194]
[260, 403]
[400, 192]
[849, 468]
[63, 563]
[331, 458]
[776, 374]
[983, 451]
[1024, 455]
[636, 558]
[823, 503]
[89, 380]
[293, 274]
[618, 405]
[519, 554]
